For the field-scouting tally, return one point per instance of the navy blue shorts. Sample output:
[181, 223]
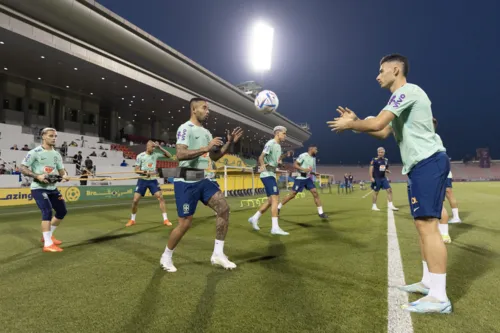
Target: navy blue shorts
[300, 184]
[48, 200]
[187, 195]
[152, 185]
[380, 184]
[427, 186]
[449, 183]
[270, 185]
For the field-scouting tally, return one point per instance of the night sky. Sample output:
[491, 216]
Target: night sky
[326, 53]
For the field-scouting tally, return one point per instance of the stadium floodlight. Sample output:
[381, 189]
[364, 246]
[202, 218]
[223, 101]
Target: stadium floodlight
[261, 46]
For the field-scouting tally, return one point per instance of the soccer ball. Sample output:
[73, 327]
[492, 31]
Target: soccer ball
[266, 102]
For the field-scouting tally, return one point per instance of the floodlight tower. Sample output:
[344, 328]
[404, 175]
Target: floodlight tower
[261, 47]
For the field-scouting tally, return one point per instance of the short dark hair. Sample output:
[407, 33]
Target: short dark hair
[434, 121]
[400, 58]
[313, 146]
[195, 100]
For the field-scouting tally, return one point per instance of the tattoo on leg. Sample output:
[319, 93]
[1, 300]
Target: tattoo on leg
[219, 204]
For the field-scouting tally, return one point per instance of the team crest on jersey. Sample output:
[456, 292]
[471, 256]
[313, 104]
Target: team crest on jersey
[48, 169]
[150, 165]
[185, 208]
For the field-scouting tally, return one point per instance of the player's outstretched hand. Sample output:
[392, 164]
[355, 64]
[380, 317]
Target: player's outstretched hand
[215, 142]
[235, 135]
[347, 113]
[343, 122]
[65, 178]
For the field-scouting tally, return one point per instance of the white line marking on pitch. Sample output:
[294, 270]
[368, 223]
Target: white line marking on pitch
[398, 320]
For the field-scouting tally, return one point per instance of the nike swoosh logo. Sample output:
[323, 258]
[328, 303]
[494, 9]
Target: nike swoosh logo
[416, 209]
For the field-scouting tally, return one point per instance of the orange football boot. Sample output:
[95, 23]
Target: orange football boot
[52, 248]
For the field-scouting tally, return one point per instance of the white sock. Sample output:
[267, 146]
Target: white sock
[275, 223]
[443, 228]
[438, 287]
[257, 216]
[47, 238]
[374, 205]
[426, 277]
[455, 213]
[320, 210]
[390, 204]
[219, 247]
[132, 217]
[280, 205]
[165, 216]
[52, 228]
[168, 252]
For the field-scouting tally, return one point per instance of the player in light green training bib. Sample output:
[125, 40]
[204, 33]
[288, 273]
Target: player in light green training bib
[408, 115]
[269, 161]
[305, 165]
[38, 164]
[145, 165]
[196, 149]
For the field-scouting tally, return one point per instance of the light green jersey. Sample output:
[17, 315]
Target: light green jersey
[195, 137]
[305, 161]
[413, 127]
[272, 154]
[42, 161]
[450, 175]
[147, 162]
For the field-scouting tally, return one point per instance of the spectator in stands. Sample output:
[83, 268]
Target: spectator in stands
[84, 176]
[17, 172]
[14, 147]
[77, 160]
[64, 148]
[3, 171]
[89, 164]
[83, 140]
[93, 154]
[124, 164]
[73, 144]
[100, 147]
[26, 148]
[122, 133]
[104, 154]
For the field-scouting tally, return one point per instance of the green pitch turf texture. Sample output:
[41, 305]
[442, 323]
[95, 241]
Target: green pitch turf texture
[324, 277]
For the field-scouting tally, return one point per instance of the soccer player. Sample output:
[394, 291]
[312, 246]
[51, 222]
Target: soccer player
[304, 164]
[378, 167]
[269, 160]
[408, 115]
[449, 189]
[146, 165]
[196, 148]
[40, 162]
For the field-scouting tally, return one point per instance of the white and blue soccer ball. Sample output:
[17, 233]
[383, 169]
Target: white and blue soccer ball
[266, 102]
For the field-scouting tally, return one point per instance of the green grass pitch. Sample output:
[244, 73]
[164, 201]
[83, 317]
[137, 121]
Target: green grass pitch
[323, 277]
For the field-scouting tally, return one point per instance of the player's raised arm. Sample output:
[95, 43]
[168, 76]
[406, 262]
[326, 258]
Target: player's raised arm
[163, 150]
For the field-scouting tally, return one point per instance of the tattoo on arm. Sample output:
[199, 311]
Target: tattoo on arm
[27, 172]
[219, 204]
[183, 153]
